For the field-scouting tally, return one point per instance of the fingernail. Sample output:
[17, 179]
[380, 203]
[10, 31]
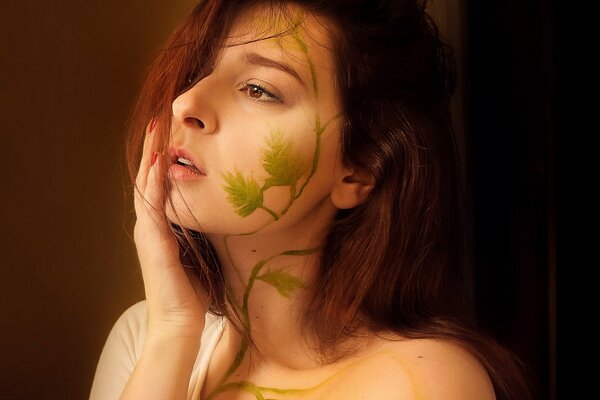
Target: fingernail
[152, 125]
[154, 157]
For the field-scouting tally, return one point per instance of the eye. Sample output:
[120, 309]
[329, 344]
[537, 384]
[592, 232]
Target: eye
[257, 92]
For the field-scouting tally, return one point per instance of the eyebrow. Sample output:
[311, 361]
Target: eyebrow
[257, 59]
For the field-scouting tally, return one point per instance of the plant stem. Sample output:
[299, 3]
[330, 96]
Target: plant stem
[271, 212]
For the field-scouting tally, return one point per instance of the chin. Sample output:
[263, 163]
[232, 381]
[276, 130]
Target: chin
[181, 218]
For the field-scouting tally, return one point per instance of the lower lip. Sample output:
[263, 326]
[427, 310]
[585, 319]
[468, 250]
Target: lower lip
[181, 173]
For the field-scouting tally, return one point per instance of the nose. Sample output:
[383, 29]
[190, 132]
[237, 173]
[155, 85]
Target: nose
[193, 110]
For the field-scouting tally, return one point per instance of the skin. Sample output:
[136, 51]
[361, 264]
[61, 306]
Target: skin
[269, 144]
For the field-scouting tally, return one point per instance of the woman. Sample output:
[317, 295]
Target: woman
[300, 229]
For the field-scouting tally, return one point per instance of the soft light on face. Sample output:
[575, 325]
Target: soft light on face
[263, 128]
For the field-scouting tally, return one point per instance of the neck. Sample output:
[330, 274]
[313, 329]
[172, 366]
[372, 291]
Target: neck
[268, 276]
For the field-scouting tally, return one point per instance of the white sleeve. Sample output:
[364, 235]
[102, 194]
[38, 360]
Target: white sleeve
[120, 353]
[124, 346]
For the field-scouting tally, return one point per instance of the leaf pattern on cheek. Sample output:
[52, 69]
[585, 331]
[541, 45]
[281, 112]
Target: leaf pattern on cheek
[244, 193]
[284, 165]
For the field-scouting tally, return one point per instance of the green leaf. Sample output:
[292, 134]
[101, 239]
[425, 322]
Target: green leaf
[284, 165]
[281, 280]
[244, 193]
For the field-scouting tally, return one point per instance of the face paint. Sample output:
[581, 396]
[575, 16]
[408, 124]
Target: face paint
[284, 167]
[289, 162]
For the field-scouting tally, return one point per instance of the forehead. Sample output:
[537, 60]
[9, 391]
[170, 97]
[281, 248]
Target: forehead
[286, 32]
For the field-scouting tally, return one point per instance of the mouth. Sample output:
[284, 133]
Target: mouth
[187, 163]
[183, 165]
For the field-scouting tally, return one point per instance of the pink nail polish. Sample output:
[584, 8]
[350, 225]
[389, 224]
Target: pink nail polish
[152, 125]
[154, 157]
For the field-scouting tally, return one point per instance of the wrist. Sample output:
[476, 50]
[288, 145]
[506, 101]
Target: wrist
[177, 332]
[174, 347]
[165, 366]
[180, 320]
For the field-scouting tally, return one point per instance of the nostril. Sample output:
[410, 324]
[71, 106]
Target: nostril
[195, 121]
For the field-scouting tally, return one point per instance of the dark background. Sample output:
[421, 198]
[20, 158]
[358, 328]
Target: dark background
[69, 72]
[511, 118]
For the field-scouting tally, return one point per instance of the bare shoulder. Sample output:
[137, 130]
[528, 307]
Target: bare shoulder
[441, 369]
[420, 369]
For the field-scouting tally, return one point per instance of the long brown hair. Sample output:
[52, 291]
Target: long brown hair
[400, 261]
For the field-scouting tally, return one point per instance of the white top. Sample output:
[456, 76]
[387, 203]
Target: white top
[123, 349]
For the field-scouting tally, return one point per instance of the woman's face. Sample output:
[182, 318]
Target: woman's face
[263, 130]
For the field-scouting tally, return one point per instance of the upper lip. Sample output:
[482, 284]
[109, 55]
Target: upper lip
[174, 154]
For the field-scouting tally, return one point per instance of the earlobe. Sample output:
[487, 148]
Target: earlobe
[351, 190]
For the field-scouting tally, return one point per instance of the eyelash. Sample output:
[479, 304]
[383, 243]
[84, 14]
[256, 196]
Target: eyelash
[256, 86]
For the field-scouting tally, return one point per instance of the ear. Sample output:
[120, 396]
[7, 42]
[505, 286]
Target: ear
[351, 189]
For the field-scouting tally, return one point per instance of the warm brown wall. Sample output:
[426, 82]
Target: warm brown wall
[69, 71]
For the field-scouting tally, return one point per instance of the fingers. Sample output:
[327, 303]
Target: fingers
[148, 149]
[154, 193]
[148, 193]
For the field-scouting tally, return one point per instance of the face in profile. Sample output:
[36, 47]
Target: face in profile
[256, 144]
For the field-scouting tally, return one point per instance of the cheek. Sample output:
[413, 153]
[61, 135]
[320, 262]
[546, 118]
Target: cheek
[241, 153]
[258, 178]
[267, 171]
[212, 213]
[287, 142]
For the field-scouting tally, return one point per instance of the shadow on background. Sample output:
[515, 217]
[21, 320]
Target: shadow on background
[70, 71]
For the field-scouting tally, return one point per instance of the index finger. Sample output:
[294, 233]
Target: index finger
[149, 144]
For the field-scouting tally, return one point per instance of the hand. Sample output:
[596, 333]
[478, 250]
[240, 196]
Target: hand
[175, 305]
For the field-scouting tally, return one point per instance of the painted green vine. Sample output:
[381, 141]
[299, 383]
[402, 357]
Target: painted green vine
[285, 167]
